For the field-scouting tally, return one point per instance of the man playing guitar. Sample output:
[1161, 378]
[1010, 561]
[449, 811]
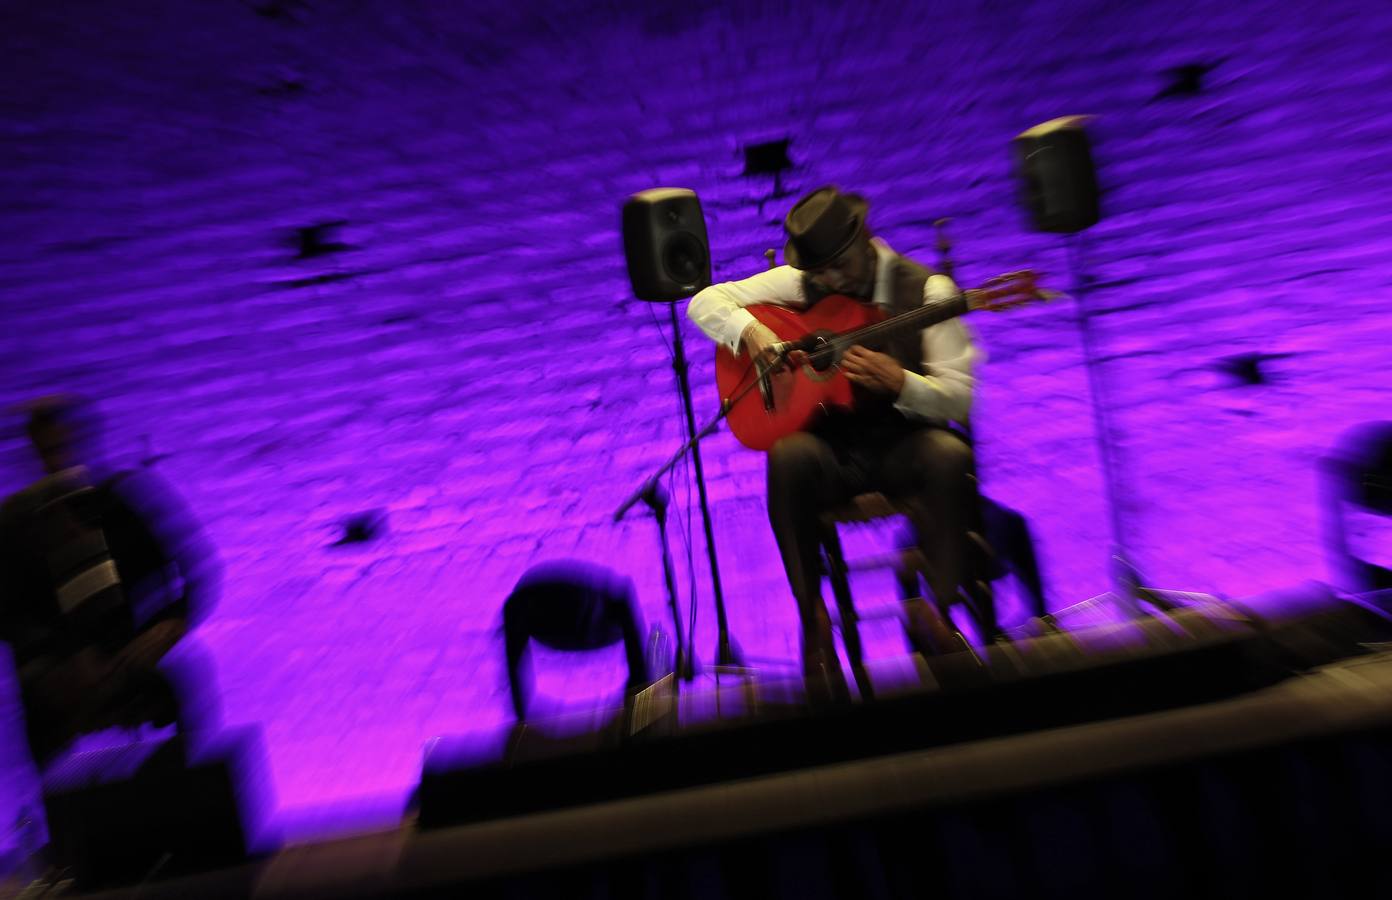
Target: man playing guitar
[895, 437]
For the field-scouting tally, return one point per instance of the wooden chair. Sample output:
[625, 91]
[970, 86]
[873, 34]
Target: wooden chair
[930, 632]
[929, 628]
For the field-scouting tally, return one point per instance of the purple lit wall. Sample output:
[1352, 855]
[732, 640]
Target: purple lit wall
[465, 356]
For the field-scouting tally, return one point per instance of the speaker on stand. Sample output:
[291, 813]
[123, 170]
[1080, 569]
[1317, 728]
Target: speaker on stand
[1058, 181]
[1058, 189]
[665, 244]
[668, 257]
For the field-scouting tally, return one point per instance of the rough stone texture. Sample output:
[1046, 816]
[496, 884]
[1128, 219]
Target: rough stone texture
[464, 354]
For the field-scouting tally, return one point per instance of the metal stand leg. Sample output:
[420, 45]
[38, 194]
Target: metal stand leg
[727, 653]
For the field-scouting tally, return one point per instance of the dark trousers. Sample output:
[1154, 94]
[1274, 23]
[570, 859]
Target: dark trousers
[809, 473]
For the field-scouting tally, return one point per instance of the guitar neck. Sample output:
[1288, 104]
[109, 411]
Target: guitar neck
[923, 317]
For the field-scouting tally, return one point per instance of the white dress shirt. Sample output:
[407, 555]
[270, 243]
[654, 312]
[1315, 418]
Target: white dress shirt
[949, 353]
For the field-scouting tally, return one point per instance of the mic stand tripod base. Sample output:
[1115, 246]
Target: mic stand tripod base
[730, 656]
[685, 663]
[731, 662]
[1132, 591]
[743, 700]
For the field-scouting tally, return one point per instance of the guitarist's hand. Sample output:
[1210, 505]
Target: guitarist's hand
[757, 340]
[872, 370]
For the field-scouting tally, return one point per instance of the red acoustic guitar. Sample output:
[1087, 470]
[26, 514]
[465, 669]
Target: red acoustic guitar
[788, 400]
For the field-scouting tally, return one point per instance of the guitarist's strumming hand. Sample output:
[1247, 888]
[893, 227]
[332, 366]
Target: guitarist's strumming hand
[873, 370]
[757, 340]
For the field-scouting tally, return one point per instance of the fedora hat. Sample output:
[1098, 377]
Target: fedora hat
[822, 226]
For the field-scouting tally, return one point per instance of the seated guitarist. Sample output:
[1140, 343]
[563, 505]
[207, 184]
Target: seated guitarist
[896, 439]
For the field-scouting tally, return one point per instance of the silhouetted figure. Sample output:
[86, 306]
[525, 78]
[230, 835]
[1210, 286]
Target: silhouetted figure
[1358, 507]
[102, 574]
[570, 606]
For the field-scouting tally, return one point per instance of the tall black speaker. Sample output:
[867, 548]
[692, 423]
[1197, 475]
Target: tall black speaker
[1058, 182]
[665, 242]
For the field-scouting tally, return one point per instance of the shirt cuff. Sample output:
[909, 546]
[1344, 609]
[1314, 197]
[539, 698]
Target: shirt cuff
[917, 397]
[738, 320]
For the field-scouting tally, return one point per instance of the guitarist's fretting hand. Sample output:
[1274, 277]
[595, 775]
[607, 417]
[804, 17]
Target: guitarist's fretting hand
[873, 371]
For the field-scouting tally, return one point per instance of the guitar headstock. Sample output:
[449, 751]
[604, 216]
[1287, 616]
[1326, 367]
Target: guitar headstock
[1008, 290]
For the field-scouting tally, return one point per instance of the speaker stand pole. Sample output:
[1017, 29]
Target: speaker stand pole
[727, 654]
[1125, 576]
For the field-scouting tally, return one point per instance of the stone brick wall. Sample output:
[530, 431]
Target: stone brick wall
[319, 261]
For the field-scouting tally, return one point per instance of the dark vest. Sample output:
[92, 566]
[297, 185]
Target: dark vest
[906, 293]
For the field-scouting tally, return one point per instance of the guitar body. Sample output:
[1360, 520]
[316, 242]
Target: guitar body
[800, 396]
[792, 400]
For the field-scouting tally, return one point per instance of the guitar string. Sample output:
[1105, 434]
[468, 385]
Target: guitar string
[894, 323]
[837, 345]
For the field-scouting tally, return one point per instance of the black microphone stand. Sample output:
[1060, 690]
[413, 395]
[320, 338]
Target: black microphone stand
[657, 500]
[727, 651]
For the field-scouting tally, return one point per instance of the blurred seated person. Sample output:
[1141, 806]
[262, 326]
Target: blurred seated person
[102, 574]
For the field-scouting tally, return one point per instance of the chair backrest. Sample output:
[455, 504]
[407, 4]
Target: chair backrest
[570, 605]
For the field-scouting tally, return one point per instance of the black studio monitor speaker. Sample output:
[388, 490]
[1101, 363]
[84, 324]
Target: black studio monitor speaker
[1058, 181]
[665, 243]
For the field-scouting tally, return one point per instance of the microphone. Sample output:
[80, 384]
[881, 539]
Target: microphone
[655, 495]
[765, 383]
[780, 351]
[783, 348]
[652, 493]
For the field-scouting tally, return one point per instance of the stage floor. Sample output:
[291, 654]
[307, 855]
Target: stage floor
[1352, 696]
